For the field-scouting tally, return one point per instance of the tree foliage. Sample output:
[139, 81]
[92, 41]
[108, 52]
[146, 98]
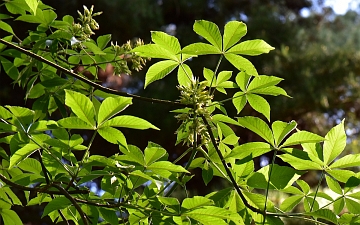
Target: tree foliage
[46, 158]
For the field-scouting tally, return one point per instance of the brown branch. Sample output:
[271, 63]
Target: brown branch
[85, 80]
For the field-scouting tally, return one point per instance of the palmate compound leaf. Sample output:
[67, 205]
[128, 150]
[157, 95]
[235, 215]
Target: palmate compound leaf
[233, 32]
[111, 106]
[159, 70]
[210, 31]
[335, 143]
[81, 106]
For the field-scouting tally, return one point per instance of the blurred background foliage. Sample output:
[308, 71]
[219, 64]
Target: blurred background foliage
[318, 55]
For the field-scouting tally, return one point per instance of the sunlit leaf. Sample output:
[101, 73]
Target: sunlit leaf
[210, 31]
[200, 49]
[233, 32]
[335, 143]
[281, 130]
[301, 137]
[251, 47]
[111, 106]
[257, 126]
[159, 70]
[81, 106]
[127, 121]
[241, 64]
[259, 104]
[22, 153]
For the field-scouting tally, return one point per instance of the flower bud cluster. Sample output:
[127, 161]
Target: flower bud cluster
[87, 25]
[192, 124]
[125, 52]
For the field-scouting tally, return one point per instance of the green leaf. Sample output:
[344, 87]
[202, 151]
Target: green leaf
[133, 154]
[10, 217]
[56, 204]
[241, 64]
[299, 160]
[81, 106]
[335, 143]
[251, 47]
[341, 175]
[259, 104]
[233, 32]
[75, 123]
[347, 161]
[112, 106]
[195, 202]
[281, 177]
[304, 186]
[325, 214]
[166, 41]
[154, 51]
[129, 122]
[281, 130]
[213, 215]
[339, 205]
[166, 165]
[185, 75]
[242, 80]
[257, 126]
[94, 48]
[207, 173]
[200, 49]
[334, 185]
[253, 149]
[30, 165]
[33, 4]
[25, 115]
[113, 135]
[352, 206]
[22, 153]
[153, 154]
[222, 118]
[159, 70]
[109, 215]
[103, 40]
[272, 90]
[263, 81]
[6, 27]
[239, 101]
[290, 202]
[302, 137]
[258, 201]
[210, 31]
[223, 76]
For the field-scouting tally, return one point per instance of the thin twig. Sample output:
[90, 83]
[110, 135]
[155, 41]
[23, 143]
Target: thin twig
[87, 81]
